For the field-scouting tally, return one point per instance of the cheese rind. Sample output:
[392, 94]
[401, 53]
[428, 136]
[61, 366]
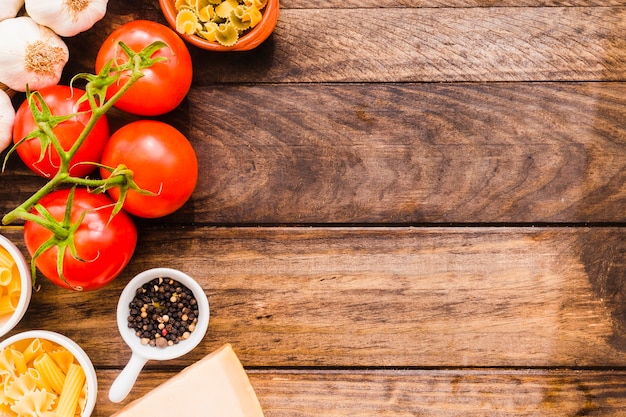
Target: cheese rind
[215, 386]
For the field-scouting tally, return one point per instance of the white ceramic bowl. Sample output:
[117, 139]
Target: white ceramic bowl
[8, 323]
[74, 349]
[142, 353]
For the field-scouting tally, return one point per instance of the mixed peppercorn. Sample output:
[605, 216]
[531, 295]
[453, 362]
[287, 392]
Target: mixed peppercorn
[163, 312]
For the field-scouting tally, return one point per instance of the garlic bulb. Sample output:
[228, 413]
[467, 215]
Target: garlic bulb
[66, 17]
[30, 54]
[7, 117]
[10, 8]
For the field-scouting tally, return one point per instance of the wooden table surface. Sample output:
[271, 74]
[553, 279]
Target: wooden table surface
[404, 208]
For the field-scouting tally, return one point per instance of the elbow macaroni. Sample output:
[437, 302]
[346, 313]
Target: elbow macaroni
[39, 379]
[223, 21]
[9, 284]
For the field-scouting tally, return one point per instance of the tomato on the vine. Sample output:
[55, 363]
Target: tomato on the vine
[163, 162]
[104, 245]
[62, 100]
[165, 84]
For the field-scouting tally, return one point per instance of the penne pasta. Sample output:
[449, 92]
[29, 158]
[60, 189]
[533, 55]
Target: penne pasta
[6, 260]
[40, 378]
[62, 358]
[72, 387]
[5, 275]
[41, 383]
[8, 304]
[32, 350]
[50, 372]
[9, 283]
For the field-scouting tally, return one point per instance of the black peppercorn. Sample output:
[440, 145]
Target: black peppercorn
[162, 312]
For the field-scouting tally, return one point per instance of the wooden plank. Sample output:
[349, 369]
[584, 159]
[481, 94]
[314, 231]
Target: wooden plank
[397, 153]
[435, 45]
[139, 8]
[414, 45]
[445, 393]
[336, 4]
[372, 297]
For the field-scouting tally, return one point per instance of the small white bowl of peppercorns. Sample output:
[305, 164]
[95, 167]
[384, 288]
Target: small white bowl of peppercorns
[162, 314]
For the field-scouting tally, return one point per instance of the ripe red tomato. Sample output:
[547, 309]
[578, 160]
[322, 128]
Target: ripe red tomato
[62, 100]
[165, 84]
[163, 162]
[104, 246]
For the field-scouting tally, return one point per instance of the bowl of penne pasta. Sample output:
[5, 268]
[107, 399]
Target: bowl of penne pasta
[226, 25]
[54, 375]
[15, 285]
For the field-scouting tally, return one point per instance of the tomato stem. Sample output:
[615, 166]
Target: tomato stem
[95, 92]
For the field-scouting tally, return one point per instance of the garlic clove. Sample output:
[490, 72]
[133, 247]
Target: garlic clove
[30, 54]
[66, 17]
[10, 8]
[7, 118]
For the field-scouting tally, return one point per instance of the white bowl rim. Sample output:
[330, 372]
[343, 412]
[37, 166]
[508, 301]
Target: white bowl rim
[26, 286]
[168, 352]
[72, 347]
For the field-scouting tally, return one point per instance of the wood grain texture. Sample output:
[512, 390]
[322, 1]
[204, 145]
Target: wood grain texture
[412, 45]
[397, 153]
[329, 155]
[379, 297]
[445, 393]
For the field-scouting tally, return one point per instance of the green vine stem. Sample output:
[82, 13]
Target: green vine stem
[122, 177]
[95, 93]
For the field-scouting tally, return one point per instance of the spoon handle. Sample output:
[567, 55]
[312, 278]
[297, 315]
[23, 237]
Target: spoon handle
[126, 379]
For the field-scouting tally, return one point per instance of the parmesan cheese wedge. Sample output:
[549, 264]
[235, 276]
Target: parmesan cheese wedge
[215, 386]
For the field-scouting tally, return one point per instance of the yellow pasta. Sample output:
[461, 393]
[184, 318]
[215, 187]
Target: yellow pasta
[8, 304]
[8, 363]
[223, 21]
[9, 283]
[187, 22]
[19, 387]
[206, 13]
[39, 381]
[5, 276]
[6, 260]
[226, 34]
[63, 359]
[32, 349]
[40, 378]
[224, 9]
[210, 28]
[240, 19]
[50, 372]
[72, 387]
[34, 403]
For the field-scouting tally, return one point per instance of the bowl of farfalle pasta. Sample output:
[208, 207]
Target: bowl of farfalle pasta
[46, 374]
[222, 25]
[15, 286]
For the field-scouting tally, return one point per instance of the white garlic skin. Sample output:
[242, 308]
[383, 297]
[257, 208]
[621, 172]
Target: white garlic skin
[7, 118]
[30, 54]
[66, 17]
[10, 8]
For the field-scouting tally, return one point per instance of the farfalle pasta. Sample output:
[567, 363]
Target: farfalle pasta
[39, 378]
[9, 284]
[222, 21]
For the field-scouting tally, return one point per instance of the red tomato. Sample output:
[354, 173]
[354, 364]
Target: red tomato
[62, 100]
[104, 246]
[165, 84]
[163, 162]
